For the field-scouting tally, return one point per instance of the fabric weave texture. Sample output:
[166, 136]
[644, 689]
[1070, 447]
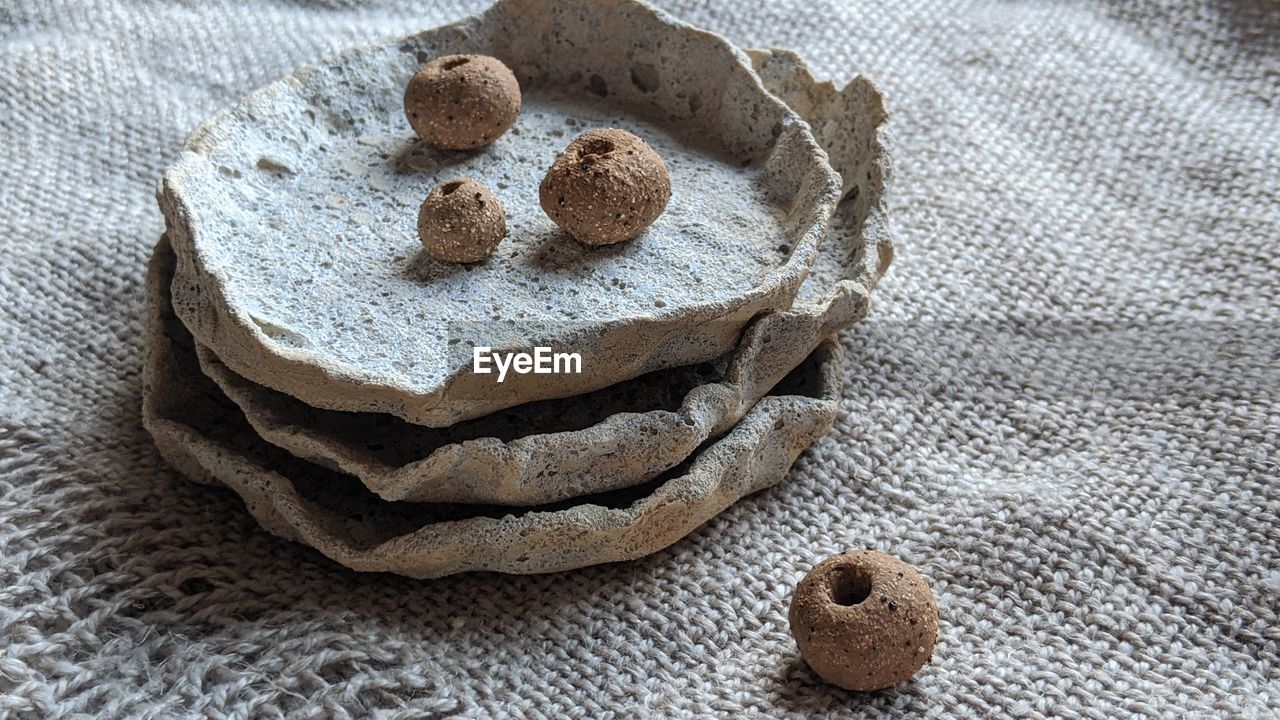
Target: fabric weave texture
[1064, 409]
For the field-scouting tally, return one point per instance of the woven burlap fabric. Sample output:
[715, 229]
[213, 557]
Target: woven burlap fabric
[1064, 410]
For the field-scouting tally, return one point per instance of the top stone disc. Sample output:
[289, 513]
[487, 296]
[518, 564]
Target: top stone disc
[293, 216]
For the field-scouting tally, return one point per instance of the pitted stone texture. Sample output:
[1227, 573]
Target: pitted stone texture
[849, 124]
[292, 217]
[206, 437]
[631, 432]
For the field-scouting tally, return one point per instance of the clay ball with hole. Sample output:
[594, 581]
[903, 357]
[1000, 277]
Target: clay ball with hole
[461, 222]
[606, 187]
[462, 102]
[864, 620]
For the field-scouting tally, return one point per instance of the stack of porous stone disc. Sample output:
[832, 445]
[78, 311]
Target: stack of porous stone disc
[305, 354]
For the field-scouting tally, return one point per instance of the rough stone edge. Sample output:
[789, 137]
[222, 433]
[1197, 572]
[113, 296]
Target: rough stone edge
[247, 350]
[631, 448]
[756, 454]
[787, 76]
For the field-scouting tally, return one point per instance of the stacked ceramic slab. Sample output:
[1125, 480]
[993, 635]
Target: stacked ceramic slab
[304, 354]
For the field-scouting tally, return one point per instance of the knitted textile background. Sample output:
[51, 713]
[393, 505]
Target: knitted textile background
[1064, 409]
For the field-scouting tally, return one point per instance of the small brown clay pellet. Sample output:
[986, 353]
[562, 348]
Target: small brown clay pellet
[864, 620]
[461, 222]
[461, 102]
[606, 187]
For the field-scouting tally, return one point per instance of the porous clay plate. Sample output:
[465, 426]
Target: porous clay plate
[204, 435]
[631, 432]
[293, 216]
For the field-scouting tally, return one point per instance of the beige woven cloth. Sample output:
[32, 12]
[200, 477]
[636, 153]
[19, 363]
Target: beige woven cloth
[1064, 410]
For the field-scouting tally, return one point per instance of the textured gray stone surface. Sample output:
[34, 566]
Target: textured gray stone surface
[205, 436]
[630, 432]
[850, 125]
[292, 214]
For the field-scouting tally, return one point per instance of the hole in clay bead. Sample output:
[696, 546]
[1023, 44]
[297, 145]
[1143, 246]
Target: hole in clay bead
[850, 586]
[448, 188]
[596, 146]
[456, 62]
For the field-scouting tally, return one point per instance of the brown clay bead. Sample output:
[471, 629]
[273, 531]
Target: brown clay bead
[606, 187]
[460, 102]
[461, 222]
[864, 620]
